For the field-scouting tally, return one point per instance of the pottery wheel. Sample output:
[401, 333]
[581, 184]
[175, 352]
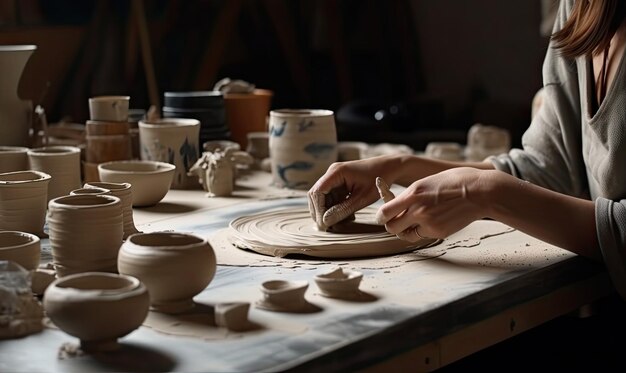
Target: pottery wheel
[292, 231]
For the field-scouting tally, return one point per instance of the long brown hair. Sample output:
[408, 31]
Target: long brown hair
[590, 27]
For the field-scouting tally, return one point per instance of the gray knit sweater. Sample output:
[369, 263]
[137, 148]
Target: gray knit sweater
[568, 150]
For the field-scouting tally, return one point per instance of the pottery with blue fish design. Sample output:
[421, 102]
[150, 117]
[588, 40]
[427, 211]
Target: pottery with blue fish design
[175, 141]
[303, 144]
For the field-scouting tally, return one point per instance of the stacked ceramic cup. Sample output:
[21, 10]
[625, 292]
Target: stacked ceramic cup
[107, 133]
[205, 106]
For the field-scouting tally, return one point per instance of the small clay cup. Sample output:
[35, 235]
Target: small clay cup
[109, 108]
[339, 283]
[23, 198]
[280, 295]
[98, 308]
[21, 247]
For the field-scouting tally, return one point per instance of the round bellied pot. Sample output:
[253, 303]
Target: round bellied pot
[98, 308]
[174, 266]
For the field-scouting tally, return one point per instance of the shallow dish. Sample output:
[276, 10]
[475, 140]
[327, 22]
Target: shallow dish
[150, 180]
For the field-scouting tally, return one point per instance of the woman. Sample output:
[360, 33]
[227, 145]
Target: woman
[566, 187]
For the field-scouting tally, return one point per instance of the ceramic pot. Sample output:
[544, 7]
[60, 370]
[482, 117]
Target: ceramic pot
[15, 114]
[174, 266]
[258, 145]
[303, 144]
[98, 308]
[124, 192]
[13, 158]
[205, 106]
[85, 233]
[175, 141]
[60, 162]
[247, 112]
[91, 191]
[21, 247]
[109, 108]
[23, 198]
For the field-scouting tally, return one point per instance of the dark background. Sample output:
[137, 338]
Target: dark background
[430, 68]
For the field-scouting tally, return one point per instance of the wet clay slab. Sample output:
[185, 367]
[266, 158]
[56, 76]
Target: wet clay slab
[292, 231]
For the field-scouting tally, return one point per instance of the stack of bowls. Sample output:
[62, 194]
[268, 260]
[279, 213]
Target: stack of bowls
[205, 106]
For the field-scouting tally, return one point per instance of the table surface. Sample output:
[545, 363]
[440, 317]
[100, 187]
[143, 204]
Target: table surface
[425, 309]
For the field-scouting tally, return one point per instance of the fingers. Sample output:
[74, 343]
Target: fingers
[343, 210]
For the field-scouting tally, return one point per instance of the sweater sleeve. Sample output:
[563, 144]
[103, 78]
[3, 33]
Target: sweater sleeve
[552, 148]
[611, 226]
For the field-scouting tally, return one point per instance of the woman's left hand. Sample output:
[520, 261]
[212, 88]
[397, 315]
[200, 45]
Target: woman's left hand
[438, 205]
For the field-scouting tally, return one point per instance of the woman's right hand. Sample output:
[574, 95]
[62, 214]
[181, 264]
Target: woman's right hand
[347, 187]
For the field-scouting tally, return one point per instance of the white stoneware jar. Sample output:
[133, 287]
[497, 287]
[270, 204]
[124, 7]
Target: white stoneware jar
[60, 162]
[123, 191]
[174, 266]
[98, 308]
[175, 141]
[85, 233]
[303, 144]
[23, 198]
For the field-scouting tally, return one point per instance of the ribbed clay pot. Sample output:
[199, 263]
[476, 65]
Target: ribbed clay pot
[23, 198]
[123, 191]
[98, 308]
[21, 247]
[85, 233]
[174, 266]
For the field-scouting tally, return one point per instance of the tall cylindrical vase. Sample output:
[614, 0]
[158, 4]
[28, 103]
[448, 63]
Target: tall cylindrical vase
[62, 163]
[303, 144]
[15, 114]
[85, 233]
[23, 198]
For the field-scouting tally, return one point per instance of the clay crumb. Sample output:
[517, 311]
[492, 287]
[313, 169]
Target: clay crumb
[69, 350]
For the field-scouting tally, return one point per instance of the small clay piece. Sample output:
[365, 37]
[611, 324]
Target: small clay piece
[98, 308]
[484, 141]
[447, 151]
[21, 247]
[383, 189]
[41, 278]
[174, 266]
[339, 283]
[60, 162]
[216, 170]
[212, 146]
[284, 296]
[20, 313]
[233, 316]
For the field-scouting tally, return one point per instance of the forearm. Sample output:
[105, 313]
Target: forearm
[409, 168]
[559, 219]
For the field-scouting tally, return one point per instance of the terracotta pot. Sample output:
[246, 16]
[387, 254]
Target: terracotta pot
[13, 158]
[85, 233]
[123, 191]
[303, 144]
[174, 266]
[60, 162]
[23, 198]
[175, 141]
[15, 114]
[98, 308]
[247, 112]
[21, 247]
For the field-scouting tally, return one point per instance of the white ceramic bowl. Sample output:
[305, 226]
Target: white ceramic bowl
[150, 180]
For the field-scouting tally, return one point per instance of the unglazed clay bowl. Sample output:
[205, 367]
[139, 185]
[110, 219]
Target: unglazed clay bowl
[283, 295]
[97, 307]
[338, 283]
[21, 247]
[174, 266]
[150, 180]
